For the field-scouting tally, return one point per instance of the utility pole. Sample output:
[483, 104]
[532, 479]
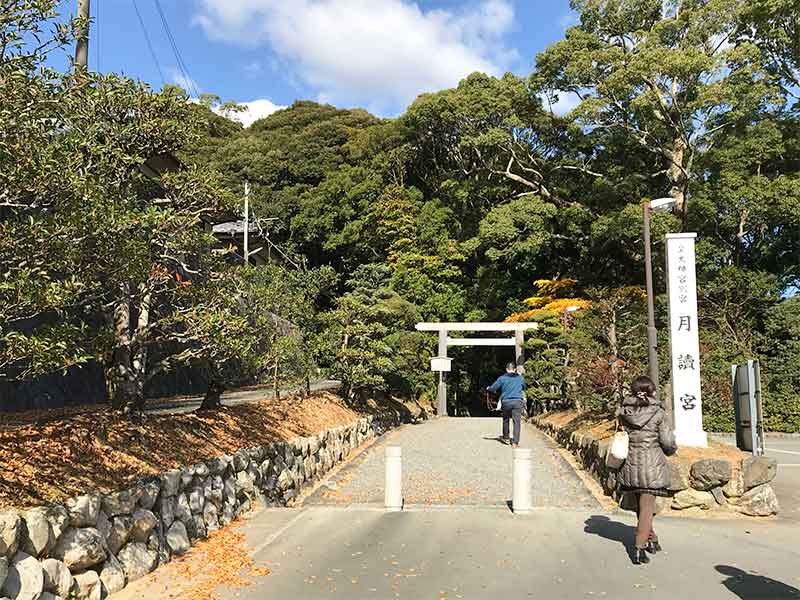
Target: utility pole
[246, 223]
[652, 332]
[82, 38]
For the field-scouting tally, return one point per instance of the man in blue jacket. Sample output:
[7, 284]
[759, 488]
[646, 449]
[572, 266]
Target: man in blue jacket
[512, 400]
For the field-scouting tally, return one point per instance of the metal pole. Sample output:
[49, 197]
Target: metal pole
[441, 392]
[82, 36]
[246, 223]
[652, 333]
[519, 352]
[522, 480]
[393, 490]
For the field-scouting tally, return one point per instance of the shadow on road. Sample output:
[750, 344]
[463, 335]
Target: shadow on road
[498, 438]
[749, 586]
[612, 530]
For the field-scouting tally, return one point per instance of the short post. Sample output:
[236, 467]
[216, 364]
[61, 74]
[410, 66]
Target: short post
[393, 495]
[522, 479]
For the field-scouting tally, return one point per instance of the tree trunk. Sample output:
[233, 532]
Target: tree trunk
[213, 398]
[678, 178]
[613, 347]
[308, 386]
[119, 378]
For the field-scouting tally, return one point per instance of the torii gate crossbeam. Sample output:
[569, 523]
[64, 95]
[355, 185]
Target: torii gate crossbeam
[444, 329]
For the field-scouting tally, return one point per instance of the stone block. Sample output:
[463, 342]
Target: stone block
[137, 560]
[678, 475]
[758, 470]
[144, 522]
[150, 490]
[690, 498]
[80, 548]
[88, 586]
[25, 578]
[759, 502]
[735, 487]
[83, 510]
[178, 538]
[170, 483]
[10, 526]
[119, 533]
[112, 576]
[57, 577]
[121, 503]
[710, 473]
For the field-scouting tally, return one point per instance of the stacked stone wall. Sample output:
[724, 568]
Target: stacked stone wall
[95, 544]
[708, 484]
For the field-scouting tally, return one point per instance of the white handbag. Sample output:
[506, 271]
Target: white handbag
[618, 450]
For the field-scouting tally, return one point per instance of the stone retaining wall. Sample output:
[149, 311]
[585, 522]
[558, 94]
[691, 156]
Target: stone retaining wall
[704, 485]
[94, 545]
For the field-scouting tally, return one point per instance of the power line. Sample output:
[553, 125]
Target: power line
[181, 64]
[149, 43]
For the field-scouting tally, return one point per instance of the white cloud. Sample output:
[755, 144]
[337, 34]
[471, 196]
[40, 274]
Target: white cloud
[568, 20]
[187, 83]
[565, 103]
[253, 68]
[377, 53]
[256, 109]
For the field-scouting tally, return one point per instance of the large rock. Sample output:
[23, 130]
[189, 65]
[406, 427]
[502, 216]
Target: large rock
[200, 470]
[758, 470]
[182, 509]
[710, 473]
[178, 538]
[217, 465]
[120, 533]
[240, 460]
[3, 570]
[285, 480]
[25, 579]
[137, 561]
[150, 490]
[245, 481]
[735, 487]
[196, 501]
[144, 521]
[57, 578]
[122, 503]
[166, 509]
[690, 498]
[10, 526]
[80, 548]
[36, 538]
[678, 475]
[88, 586]
[170, 483]
[84, 510]
[112, 576]
[759, 502]
[211, 517]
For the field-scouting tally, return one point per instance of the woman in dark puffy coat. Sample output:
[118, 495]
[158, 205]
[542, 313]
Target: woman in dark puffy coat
[645, 472]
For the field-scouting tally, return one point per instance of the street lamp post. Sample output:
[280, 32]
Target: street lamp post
[660, 204]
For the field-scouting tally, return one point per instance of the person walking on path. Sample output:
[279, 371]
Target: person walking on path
[645, 472]
[512, 401]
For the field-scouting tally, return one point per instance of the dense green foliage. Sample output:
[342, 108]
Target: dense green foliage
[449, 212]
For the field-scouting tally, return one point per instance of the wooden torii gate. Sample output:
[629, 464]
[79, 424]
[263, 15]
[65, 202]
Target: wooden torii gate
[441, 362]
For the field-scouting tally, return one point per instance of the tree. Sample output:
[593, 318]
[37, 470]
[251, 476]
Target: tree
[666, 74]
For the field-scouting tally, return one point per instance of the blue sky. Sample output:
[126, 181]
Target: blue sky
[376, 54]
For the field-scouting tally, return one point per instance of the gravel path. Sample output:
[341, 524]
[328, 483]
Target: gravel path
[457, 461]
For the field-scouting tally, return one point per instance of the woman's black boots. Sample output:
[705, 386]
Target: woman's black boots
[653, 547]
[640, 556]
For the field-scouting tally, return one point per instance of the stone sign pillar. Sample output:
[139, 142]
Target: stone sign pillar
[684, 340]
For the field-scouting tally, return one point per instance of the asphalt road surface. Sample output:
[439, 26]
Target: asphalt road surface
[186, 405]
[344, 546]
[325, 552]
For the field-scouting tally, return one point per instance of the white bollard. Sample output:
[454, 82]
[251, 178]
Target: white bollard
[393, 495]
[522, 479]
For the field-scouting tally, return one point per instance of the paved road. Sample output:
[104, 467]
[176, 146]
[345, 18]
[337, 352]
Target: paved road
[332, 553]
[786, 450]
[341, 545]
[457, 461]
[185, 405]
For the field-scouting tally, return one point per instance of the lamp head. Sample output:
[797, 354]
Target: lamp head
[663, 204]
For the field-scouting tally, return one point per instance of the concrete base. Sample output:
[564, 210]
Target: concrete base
[697, 439]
